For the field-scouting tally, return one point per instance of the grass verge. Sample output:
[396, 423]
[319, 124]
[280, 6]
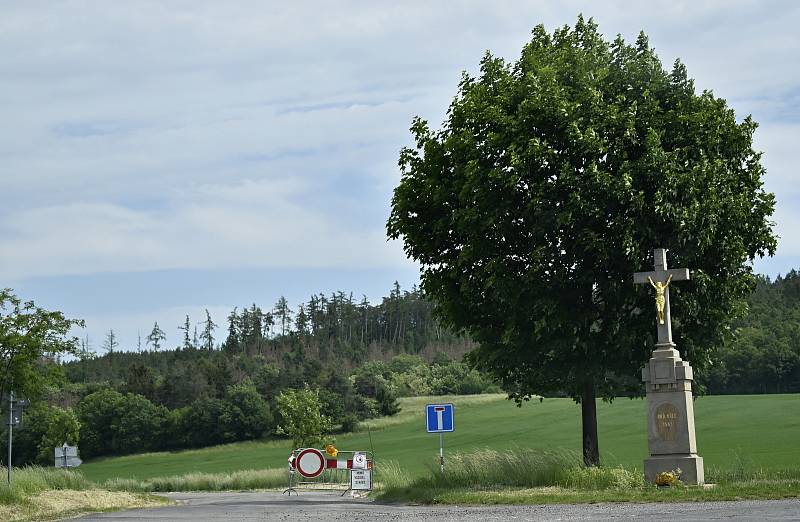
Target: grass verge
[48, 494]
[238, 480]
[528, 477]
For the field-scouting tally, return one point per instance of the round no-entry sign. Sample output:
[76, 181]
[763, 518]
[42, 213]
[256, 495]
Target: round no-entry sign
[310, 463]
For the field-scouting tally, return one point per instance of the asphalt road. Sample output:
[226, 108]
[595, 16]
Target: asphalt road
[323, 507]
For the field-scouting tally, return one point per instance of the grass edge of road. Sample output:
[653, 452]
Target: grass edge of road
[557, 477]
[61, 504]
[761, 490]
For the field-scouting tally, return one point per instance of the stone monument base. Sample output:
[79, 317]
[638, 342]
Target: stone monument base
[691, 467]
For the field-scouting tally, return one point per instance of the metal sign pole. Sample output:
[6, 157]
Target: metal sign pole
[10, 430]
[441, 453]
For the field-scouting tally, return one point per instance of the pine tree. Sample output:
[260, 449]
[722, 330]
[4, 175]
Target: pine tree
[156, 336]
[267, 322]
[208, 332]
[283, 313]
[301, 320]
[232, 342]
[187, 343]
[110, 343]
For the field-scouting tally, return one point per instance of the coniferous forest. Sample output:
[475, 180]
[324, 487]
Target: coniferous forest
[220, 383]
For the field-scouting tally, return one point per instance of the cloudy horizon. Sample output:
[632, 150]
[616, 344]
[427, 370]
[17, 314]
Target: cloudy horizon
[160, 160]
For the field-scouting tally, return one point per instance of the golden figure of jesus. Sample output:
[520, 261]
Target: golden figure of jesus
[660, 299]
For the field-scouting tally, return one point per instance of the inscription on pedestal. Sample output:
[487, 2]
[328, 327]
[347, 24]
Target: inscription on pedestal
[667, 418]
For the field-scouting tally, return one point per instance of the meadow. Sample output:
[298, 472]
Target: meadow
[757, 431]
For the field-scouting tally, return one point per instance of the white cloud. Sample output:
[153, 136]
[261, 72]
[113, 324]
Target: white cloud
[253, 224]
[145, 136]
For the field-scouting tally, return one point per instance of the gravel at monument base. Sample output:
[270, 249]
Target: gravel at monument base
[322, 507]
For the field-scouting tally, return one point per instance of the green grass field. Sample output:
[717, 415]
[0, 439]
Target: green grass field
[761, 429]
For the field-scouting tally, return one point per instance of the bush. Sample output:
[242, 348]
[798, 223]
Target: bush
[349, 423]
[138, 425]
[112, 423]
[416, 381]
[44, 427]
[404, 363]
[96, 413]
[248, 416]
[62, 427]
[201, 424]
[302, 418]
[387, 402]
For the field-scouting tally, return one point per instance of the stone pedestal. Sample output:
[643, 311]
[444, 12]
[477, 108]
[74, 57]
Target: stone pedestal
[670, 417]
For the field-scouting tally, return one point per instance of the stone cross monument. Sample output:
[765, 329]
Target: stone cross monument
[668, 381]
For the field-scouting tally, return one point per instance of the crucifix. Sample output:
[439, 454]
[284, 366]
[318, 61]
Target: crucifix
[660, 279]
[668, 383]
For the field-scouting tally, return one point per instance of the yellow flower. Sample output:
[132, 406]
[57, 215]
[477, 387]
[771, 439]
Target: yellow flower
[331, 450]
[668, 478]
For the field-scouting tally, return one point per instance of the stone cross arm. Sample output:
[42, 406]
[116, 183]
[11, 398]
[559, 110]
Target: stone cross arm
[678, 274]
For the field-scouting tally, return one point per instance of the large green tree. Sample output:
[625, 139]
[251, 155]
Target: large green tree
[549, 184]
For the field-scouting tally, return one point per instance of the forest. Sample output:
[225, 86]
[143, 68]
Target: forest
[221, 383]
[763, 355]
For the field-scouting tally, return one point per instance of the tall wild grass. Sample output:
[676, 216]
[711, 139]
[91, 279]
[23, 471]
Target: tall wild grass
[30, 480]
[238, 480]
[741, 468]
[522, 468]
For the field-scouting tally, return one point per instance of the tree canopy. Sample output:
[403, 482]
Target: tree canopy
[27, 334]
[548, 185]
[302, 417]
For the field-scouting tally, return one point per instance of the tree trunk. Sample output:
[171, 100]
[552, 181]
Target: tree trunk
[591, 452]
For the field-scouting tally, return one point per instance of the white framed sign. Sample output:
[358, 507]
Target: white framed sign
[360, 479]
[360, 460]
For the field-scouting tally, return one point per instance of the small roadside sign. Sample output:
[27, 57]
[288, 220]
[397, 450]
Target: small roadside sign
[360, 460]
[360, 479]
[67, 457]
[66, 451]
[68, 462]
[439, 418]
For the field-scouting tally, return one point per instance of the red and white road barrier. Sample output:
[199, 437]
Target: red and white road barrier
[345, 464]
[311, 462]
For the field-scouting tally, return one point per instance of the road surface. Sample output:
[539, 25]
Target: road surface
[324, 507]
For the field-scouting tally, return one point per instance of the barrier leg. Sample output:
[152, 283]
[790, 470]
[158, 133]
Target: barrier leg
[290, 489]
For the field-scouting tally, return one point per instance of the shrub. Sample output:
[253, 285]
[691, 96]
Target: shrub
[203, 423]
[115, 423]
[302, 418]
[349, 423]
[44, 428]
[248, 416]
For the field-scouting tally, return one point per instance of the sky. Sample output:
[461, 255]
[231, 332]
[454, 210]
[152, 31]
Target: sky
[162, 158]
